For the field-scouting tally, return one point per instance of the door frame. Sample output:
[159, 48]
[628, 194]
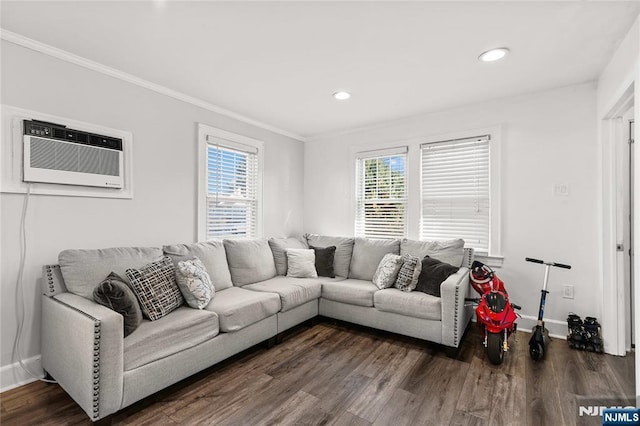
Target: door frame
[613, 288]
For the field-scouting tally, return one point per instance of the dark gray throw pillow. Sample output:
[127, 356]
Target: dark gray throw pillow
[115, 294]
[324, 261]
[433, 274]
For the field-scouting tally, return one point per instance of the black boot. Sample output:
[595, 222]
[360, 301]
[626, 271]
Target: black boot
[593, 334]
[576, 337]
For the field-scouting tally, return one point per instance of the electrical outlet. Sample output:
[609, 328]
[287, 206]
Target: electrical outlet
[567, 291]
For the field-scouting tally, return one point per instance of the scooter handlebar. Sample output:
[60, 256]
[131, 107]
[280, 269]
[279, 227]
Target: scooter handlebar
[559, 265]
[514, 306]
[472, 299]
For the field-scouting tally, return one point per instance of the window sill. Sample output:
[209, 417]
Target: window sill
[494, 261]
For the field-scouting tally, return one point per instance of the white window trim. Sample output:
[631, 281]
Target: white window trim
[494, 256]
[413, 170]
[232, 140]
[358, 155]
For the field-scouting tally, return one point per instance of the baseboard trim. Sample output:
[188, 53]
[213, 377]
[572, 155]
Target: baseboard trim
[13, 375]
[557, 329]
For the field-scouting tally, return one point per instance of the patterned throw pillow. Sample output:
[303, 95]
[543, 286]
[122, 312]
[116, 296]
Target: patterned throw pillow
[195, 283]
[156, 289]
[387, 271]
[409, 273]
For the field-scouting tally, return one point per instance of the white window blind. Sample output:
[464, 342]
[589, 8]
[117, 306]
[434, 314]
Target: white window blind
[232, 190]
[381, 194]
[456, 191]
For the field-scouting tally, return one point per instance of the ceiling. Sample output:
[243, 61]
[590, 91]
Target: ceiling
[280, 62]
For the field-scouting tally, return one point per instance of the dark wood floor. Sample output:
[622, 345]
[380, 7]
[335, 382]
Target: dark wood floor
[340, 374]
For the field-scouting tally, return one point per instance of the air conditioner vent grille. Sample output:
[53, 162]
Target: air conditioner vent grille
[57, 155]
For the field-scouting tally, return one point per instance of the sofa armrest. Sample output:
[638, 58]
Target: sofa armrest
[455, 316]
[82, 348]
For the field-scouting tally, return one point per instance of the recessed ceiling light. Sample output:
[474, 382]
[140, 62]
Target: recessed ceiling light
[342, 96]
[494, 54]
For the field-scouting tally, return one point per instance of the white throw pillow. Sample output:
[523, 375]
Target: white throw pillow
[387, 271]
[195, 283]
[301, 263]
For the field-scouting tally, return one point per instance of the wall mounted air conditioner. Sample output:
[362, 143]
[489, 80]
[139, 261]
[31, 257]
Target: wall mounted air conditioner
[54, 153]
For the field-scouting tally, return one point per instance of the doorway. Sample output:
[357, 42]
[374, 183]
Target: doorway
[625, 240]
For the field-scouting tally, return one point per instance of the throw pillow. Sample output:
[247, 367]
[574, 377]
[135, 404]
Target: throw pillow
[387, 271]
[115, 294]
[324, 260]
[194, 282]
[301, 263]
[433, 274]
[155, 286]
[409, 273]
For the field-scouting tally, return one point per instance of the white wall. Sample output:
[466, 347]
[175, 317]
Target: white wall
[163, 208]
[547, 138]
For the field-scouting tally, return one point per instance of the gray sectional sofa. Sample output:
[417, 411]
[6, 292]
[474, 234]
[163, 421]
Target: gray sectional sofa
[83, 345]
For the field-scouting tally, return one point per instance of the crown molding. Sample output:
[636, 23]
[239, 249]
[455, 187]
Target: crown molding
[64, 55]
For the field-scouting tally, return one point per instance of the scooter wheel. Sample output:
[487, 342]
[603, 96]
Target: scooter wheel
[494, 348]
[536, 350]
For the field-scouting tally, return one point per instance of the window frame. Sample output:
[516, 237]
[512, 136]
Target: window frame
[493, 256]
[232, 141]
[362, 156]
[413, 172]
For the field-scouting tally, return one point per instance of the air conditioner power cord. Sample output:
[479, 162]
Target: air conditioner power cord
[20, 305]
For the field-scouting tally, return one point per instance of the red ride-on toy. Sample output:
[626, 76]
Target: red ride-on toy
[495, 314]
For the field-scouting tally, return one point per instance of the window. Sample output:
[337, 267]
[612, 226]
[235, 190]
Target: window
[381, 194]
[456, 192]
[229, 203]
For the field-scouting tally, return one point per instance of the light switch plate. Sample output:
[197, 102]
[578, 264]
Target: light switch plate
[561, 189]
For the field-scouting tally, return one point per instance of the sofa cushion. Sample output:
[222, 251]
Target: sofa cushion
[293, 292]
[433, 275]
[449, 251]
[194, 283]
[301, 263]
[237, 307]
[211, 254]
[115, 294]
[412, 304]
[387, 271]
[344, 249]
[180, 330]
[83, 270]
[351, 291]
[324, 261]
[156, 288]
[250, 260]
[279, 247]
[367, 254]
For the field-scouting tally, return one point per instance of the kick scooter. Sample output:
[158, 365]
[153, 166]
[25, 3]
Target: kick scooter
[540, 335]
